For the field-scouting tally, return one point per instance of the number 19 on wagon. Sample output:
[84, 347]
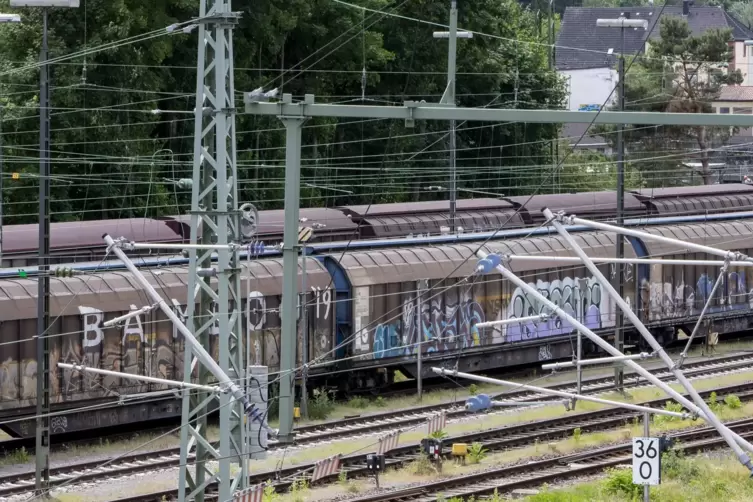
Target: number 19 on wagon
[646, 461]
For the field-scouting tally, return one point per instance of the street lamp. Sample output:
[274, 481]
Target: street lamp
[449, 95]
[4, 18]
[42, 452]
[622, 22]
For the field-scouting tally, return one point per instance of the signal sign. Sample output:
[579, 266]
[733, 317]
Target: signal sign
[305, 233]
[15, 176]
[646, 461]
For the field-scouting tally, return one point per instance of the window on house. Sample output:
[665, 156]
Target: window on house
[724, 110]
[742, 110]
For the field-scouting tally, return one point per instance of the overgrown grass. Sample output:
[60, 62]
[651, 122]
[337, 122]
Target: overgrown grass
[695, 479]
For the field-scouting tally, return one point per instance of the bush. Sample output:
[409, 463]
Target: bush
[476, 453]
[322, 405]
[576, 435]
[669, 406]
[422, 466]
[269, 494]
[438, 435]
[714, 402]
[358, 402]
[379, 402]
[676, 466]
[473, 389]
[620, 482]
[733, 402]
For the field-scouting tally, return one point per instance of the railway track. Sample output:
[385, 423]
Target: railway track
[494, 439]
[534, 474]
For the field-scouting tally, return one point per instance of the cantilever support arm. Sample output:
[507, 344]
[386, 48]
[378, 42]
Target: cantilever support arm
[489, 262]
[559, 393]
[719, 279]
[731, 438]
[201, 353]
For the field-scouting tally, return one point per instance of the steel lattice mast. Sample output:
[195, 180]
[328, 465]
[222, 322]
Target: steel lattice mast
[214, 220]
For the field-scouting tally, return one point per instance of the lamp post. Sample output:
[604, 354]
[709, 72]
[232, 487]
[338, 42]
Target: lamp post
[42, 451]
[449, 97]
[4, 18]
[619, 335]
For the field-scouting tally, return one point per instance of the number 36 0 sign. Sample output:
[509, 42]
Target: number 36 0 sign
[646, 461]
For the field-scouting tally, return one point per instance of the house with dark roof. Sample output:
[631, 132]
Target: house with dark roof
[737, 100]
[586, 54]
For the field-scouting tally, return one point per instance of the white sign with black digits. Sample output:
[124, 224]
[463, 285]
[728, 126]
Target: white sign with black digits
[646, 461]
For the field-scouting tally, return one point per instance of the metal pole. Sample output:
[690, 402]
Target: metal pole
[699, 248]
[579, 369]
[684, 353]
[305, 348]
[2, 173]
[604, 345]
[597, 361]
[140, 378]
[205, 357]
[558, 393]
[621, 304]
[42, 452]
[619, 324]
[451, 57]
[419, 340]
[288, 343]
[646, 433]
[637, 261]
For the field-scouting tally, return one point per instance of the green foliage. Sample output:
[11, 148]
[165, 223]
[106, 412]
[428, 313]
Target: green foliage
[422, 466]
[269, 494]
[620, 482]
[298, 490]
[19, 456]
[576, 435]
[116, 151]
[476, 453]
[380, 402]
[358, 402]
[473, 389]
[733, 402]
[675, 465]
[438, 435]
[714, 403]
[321, 405]
[669, 406]
[743, 11]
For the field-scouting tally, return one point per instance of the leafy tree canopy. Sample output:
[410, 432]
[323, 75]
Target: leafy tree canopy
[113, 157]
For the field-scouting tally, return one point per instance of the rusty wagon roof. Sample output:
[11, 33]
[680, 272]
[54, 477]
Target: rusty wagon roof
[79, 234]
[116, 291]
[728, 235]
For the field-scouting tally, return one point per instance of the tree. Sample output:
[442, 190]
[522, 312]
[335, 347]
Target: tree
[590, 171]
[681, 74]
[109, 158]
[742, 11]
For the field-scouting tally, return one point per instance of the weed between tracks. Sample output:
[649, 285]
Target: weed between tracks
[421, 471]
[712, 477]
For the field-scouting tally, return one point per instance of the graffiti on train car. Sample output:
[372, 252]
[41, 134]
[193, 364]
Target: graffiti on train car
[444, 325]
[582, 298]
[668, 299]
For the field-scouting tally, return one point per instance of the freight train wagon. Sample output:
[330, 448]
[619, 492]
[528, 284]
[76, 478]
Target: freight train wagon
[82, 241]
[367, 304]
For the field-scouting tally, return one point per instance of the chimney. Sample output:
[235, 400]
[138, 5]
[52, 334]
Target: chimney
[685, 7]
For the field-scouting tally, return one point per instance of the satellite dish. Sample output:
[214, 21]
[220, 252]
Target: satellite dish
[249, 220]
